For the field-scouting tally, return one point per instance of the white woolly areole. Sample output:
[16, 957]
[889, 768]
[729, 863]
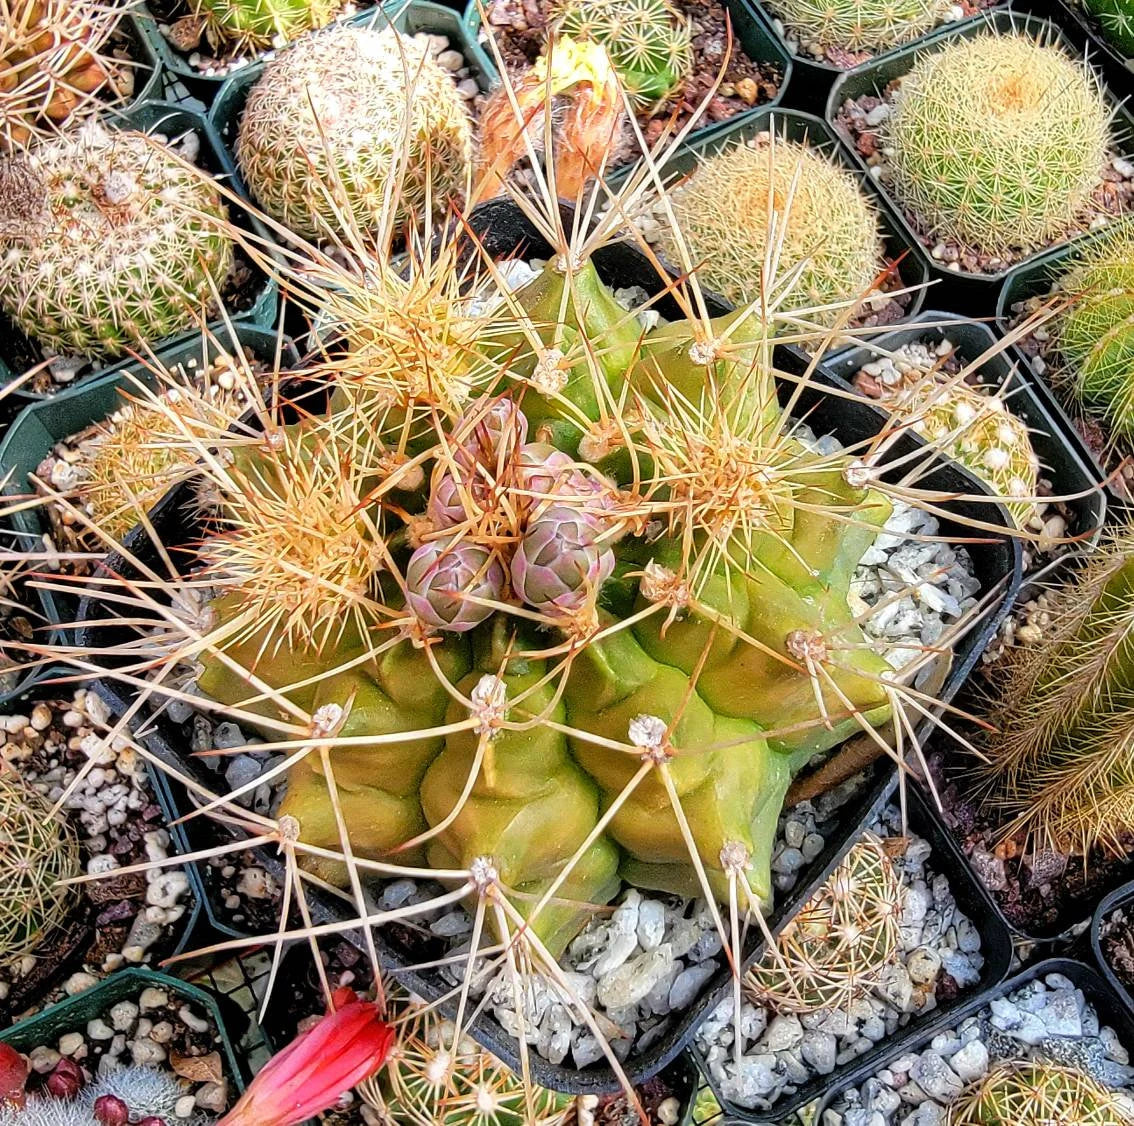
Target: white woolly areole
[326, 719]
[858, 474]
[549, 376]
[734, 856]
[118, 187]
[648, 733]
[483, 873]
[660, 584]
[489, 703]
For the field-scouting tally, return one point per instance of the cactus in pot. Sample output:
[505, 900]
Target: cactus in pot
[242, 25]
[860, 25]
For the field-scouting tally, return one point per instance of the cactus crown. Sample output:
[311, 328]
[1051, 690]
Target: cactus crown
[127, 250]
[997, 140]
[648, 42]
[860, 25]
[834, 950]
[1032, 1093]
[324, 134]
[37, 850]
[244, 25]
[1095, 334]
[830, 230]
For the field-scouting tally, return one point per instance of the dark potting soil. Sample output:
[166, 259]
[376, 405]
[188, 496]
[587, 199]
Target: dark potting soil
[520, 28]
[1117, 940]
[1113, 197]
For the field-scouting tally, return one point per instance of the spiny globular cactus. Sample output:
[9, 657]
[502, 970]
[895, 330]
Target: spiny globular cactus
[244, 25]
[37, 850]
[648, 42]
[860, 25]
[325, 131]
[836, 949]
[997, 141]
[830, 229]
[1095, 334]
[109, 243]
[1116, 18]
[1034, 1093]
[1061, 758]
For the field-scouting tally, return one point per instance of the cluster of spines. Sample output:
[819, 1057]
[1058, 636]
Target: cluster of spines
[1116, 17]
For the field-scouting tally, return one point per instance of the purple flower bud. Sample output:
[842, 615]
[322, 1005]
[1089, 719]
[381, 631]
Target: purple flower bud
[489, 434]
[545, 471]
[440, 573]
[559, 566]
[446, 506]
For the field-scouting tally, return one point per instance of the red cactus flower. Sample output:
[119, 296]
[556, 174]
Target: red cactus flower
[347, 1046]
[13, 1076]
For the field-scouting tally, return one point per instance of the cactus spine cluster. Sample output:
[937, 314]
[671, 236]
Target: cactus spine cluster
[340, 117]
[860, 25]
[1034, 1093]
[997, 141]
[108, 242]
[829, 230]
[37, 850]
[1116, 18]
[243, 25]
[1095, 335]
[648, 42]
[836, 949]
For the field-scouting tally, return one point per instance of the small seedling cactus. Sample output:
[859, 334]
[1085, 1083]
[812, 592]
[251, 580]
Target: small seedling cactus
[860, 25]
[338, 119]
[109, 243]
[648, 42]
[837, 948]
[1095, 334]
[243, 25]
[1116, 18]
[997, 141]
[37, 850]
[829, 230]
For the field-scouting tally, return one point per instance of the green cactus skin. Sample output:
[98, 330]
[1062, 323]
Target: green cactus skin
[647, 40]
[860, 25]
[37, 850]
[324, 130]
[102, 251]
[997, 141]
[259, 24]
[1095, 335]
[1116, 18]
[831, 228]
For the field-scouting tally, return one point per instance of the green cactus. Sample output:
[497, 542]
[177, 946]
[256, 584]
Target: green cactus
[243, 25]
[325, 131]
[1095, 334]
[109, 243]
[1116, 18]
[997, 141]
[1033, 1093]
[37, 850]
[860, 25]
[648, 42]
[829, 230]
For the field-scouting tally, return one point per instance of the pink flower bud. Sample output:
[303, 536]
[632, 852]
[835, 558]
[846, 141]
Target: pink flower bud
[110, 1110]
[66, 1081]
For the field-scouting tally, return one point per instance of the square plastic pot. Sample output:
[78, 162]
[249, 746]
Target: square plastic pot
[260, 301]
[995, 946]
[1121, 897]
[1057, 449]
[505, 231]
[959, 290]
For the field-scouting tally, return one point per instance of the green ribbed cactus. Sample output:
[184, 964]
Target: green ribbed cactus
[648, 42]
[324, 133]
[1061, 758]
[109, 243]
[829, 230]
[997, 141]
[1116, 18]
[37, 850]
[1095, 335]
[258, 24]
[860, 25]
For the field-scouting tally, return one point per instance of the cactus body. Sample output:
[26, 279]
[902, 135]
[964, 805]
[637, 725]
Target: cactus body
[1116, 18]
[101, 250]
[997, 141]
[325, 130]
[830, 230]
[1095, 335]
[258, 24]
[860, 25]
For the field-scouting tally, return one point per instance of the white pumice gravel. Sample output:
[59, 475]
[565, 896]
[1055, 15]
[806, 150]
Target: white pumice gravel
[781, 1052]
[1046, 1019]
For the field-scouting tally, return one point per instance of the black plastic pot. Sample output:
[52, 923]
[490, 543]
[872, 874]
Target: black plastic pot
[959, 290]
[1035, 279]
[1109, 1006]
[1120, 897]
[1057, 449]
[42, 424]
[259, 296]
[996, 947]
[506, 232]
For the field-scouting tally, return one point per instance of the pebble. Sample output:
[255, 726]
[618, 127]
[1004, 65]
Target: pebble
[153, 998]
[70, 1043]
[146, 1052]
[184, 1106]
